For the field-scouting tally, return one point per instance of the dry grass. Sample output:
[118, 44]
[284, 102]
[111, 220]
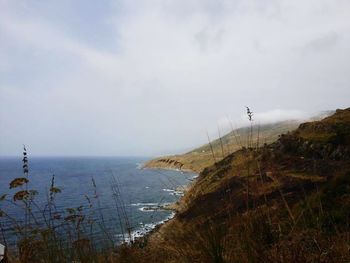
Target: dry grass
[202, 157]
[284, 202]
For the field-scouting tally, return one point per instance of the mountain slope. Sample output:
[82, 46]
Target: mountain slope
[201, 157]
[288, 201]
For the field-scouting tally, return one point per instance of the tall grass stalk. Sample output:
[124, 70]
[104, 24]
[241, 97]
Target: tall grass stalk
[221, 144]
[250, 134]
[236, 136]
[211, 149]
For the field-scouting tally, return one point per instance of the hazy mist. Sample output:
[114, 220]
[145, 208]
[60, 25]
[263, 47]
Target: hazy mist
[151, 77]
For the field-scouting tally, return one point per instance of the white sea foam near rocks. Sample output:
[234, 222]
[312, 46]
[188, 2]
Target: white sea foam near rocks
[144, 204]
[139, 165]
[140, 189]
[168, 190]
[150, 207]
[174, 192]
[143, 230]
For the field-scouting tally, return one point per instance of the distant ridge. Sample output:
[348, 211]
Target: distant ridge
[199, 158]
[287, 201]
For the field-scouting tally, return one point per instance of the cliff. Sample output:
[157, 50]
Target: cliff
[202, 157]
[288, 201]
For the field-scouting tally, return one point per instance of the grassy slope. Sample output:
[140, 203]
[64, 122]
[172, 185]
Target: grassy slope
[288, 201]
[285, 202]
[199, 158]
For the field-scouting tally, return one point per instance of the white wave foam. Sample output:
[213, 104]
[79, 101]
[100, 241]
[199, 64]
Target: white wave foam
[168, 190]
[150, 208]
[177, 193]
[145, 229]
[139, 166]
[144, 204]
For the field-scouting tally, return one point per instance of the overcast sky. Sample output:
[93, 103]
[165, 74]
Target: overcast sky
[150, 77]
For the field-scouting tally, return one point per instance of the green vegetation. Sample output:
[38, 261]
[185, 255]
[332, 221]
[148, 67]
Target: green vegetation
[288, 201]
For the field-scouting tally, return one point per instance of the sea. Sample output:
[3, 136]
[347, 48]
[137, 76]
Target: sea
[121, 200]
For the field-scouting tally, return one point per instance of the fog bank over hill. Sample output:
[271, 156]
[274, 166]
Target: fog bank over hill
[141, 77]
[285, 119]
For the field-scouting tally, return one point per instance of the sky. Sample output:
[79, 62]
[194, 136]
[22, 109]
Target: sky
[149, 77]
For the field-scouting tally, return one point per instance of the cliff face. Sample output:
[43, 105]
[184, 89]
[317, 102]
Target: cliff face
[284, 202]
[206, 155]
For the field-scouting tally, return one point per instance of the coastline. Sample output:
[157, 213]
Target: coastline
[150, 229]
[169, 168]
[189, 162]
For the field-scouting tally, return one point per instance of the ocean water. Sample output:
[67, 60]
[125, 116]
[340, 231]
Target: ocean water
[137, 196]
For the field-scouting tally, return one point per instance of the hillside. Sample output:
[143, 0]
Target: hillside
[288, 201]
[201, 157]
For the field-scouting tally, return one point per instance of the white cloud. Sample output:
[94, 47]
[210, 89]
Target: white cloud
[172, 69]
[226, 123]
[280, 115]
